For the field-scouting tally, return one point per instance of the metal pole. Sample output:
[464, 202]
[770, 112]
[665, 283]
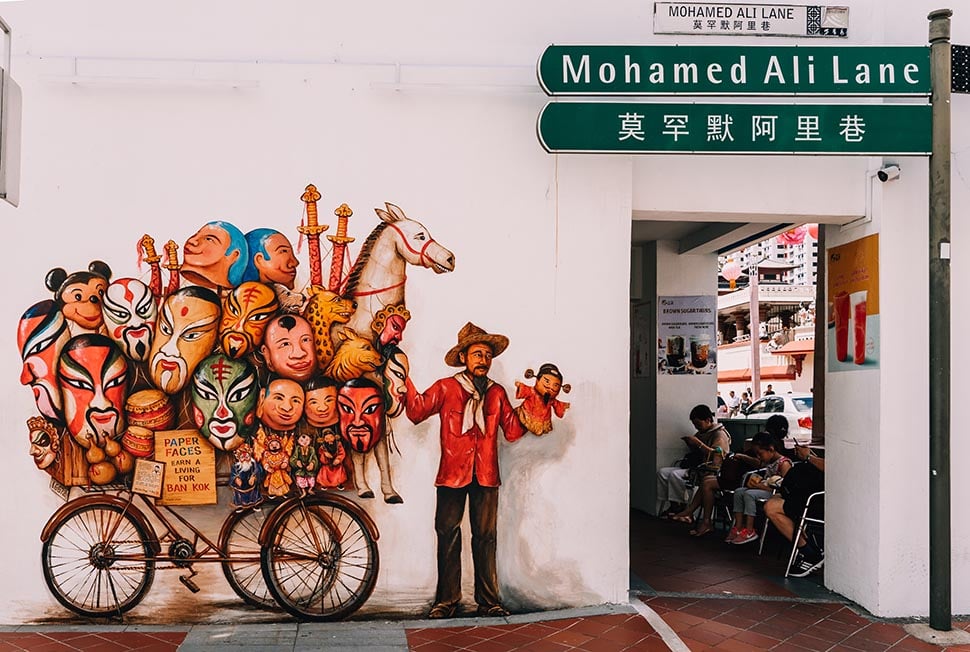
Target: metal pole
[755, 335]
[939, 241]
[821, 326]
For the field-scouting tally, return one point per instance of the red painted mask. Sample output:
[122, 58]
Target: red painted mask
[93, 376]
[41, 335]
[361, 414]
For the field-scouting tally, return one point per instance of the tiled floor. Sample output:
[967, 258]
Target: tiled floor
[706, 595]
[91, 642]
[594, 634]
[752, 625]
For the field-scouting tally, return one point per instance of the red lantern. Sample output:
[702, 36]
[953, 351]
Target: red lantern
[813, 231]
[793, 236]
[731, 271]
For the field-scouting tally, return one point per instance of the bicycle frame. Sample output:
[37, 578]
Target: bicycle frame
[209, 553]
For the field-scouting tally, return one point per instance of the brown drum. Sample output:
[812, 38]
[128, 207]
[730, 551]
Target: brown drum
[139, 441]
[150, 408]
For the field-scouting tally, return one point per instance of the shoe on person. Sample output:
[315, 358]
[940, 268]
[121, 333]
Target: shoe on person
[805, 566]
[745, 536]
[732, 535]
[492, 611]
[441, 610]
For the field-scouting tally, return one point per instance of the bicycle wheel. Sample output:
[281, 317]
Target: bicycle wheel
[320, 561]
[239, 542]
[98, 561]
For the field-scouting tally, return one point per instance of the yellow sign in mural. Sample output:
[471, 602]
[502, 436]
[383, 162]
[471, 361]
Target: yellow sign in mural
[190, 468]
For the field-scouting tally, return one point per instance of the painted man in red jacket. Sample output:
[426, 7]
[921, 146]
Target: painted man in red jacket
[471, 408]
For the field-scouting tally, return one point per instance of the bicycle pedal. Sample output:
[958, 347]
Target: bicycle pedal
[189, 584]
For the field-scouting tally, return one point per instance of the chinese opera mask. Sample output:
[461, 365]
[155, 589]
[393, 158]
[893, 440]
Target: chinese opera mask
[93, 374]
[288, 347]
[271, 258]
[389, 324]
[79, 295]
[185, 334]
[41, 335]
[45, 441]
[130, 312]
[281, 405]
[224, 395]
[395, 374]
[216, 256]
[321, 402]
[361, 414]
[245, 313]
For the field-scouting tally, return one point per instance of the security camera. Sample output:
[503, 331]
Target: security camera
[888, 173]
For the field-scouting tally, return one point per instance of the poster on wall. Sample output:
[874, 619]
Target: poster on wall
[687, 335]
[853, 295]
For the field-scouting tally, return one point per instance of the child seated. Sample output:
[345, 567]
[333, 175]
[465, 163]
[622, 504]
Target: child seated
[758, 487]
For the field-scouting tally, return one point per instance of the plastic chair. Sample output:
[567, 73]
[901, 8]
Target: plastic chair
[805, 522]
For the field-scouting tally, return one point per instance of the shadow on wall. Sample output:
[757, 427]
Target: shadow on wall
[529, 577]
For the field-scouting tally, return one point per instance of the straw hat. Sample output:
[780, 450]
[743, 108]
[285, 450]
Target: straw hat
[472, 334]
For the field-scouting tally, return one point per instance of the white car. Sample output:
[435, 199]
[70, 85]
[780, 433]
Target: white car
[797, 408]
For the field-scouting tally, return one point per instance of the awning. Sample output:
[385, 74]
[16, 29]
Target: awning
[772, 372]
[798, 347]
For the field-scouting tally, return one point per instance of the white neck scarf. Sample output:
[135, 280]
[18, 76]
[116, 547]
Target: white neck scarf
[474, 414]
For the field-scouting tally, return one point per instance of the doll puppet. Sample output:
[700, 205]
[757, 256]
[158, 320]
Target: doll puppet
[540, 402]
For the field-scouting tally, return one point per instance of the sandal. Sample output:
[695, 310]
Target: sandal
[680, 518]
[702, 530]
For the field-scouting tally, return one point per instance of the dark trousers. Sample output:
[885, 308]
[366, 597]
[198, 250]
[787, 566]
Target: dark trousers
[482, 512]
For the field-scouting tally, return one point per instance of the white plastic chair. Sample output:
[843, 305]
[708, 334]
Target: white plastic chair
[806, 520]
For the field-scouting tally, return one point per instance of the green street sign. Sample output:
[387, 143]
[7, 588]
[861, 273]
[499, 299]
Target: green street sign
[735, 70]
[640, 128]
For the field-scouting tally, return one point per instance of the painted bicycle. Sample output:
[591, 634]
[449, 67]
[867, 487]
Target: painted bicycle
[314, 556]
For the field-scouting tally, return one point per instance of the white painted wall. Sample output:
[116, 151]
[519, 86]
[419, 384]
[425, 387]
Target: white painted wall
[542, 248]
[542, 243]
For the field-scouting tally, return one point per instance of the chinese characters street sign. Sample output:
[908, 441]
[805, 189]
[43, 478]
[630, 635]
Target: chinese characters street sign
[631, 128]
[734, 70]
[726, 19]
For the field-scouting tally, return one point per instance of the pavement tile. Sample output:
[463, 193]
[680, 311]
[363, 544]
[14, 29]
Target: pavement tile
[810, 642]
[432, 646]
[489, 646]
[726, 631]
[859, 643]
[883, 633]
[548, 646]
[512, 640]
[592, 626]
[569, 638]
[603, 645]
[705, 636]
[735, 620]
[910, 644]
[696, 646]
[756, 640]
[734, 645]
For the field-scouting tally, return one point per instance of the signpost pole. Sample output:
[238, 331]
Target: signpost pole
[755, 312]
[939, 340]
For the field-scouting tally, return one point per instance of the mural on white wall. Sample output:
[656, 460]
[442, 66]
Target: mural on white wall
[228, 374]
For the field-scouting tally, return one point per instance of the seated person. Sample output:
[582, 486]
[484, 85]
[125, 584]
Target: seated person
[785, 510]
[746, 498]
[777, 427]
[708, 447]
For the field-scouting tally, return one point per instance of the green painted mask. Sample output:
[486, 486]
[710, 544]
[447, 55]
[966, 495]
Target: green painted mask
[224, 395]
